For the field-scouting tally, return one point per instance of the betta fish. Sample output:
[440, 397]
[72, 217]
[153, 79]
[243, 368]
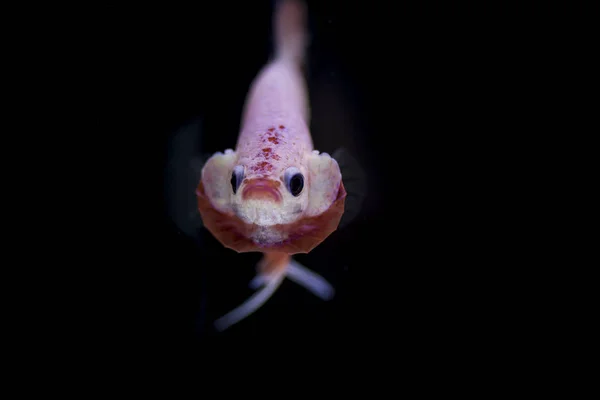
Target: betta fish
[274, 193]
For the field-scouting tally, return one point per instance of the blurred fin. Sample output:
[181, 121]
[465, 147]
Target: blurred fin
[253, 303]
[304, 277]
[182, 175]
[355, 183]
[258, 281]
[310, 280]
[290, 36]
[274, 270]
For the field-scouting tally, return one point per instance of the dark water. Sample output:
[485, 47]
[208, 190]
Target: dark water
[416, 94]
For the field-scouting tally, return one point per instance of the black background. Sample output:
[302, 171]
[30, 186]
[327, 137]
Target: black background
[423, 96]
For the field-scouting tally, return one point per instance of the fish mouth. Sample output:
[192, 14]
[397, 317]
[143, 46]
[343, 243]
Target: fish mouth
[262, 189]
[299, 237]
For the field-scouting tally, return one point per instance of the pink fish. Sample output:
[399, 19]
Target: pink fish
[274, 193]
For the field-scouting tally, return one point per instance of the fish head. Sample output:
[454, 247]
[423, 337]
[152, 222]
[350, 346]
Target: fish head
[290, 208]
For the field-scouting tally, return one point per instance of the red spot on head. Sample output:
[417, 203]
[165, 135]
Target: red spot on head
[271, 129]
[281, 127]
[266, 150]
[262, 166]
[276, 157]
[273, 140]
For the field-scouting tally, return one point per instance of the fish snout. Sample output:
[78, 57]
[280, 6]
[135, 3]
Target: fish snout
[262, 189]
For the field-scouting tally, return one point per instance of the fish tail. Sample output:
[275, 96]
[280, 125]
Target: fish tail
[290, 29]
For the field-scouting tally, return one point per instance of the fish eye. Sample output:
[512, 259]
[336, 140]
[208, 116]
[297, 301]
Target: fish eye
[236, 178]
[294, 181]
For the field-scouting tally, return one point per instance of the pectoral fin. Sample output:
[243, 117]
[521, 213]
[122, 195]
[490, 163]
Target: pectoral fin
[271, 274]
[355, 183]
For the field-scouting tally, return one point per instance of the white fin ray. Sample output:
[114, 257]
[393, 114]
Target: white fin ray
[258, 281]
[268, 284]
[250, 305]
[310, 280]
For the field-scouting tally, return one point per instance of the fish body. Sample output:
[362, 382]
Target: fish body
[274, 193]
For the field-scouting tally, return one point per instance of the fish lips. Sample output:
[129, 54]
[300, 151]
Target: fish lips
[262, 189]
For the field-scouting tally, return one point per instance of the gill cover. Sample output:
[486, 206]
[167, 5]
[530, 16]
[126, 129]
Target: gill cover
[325, 207]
